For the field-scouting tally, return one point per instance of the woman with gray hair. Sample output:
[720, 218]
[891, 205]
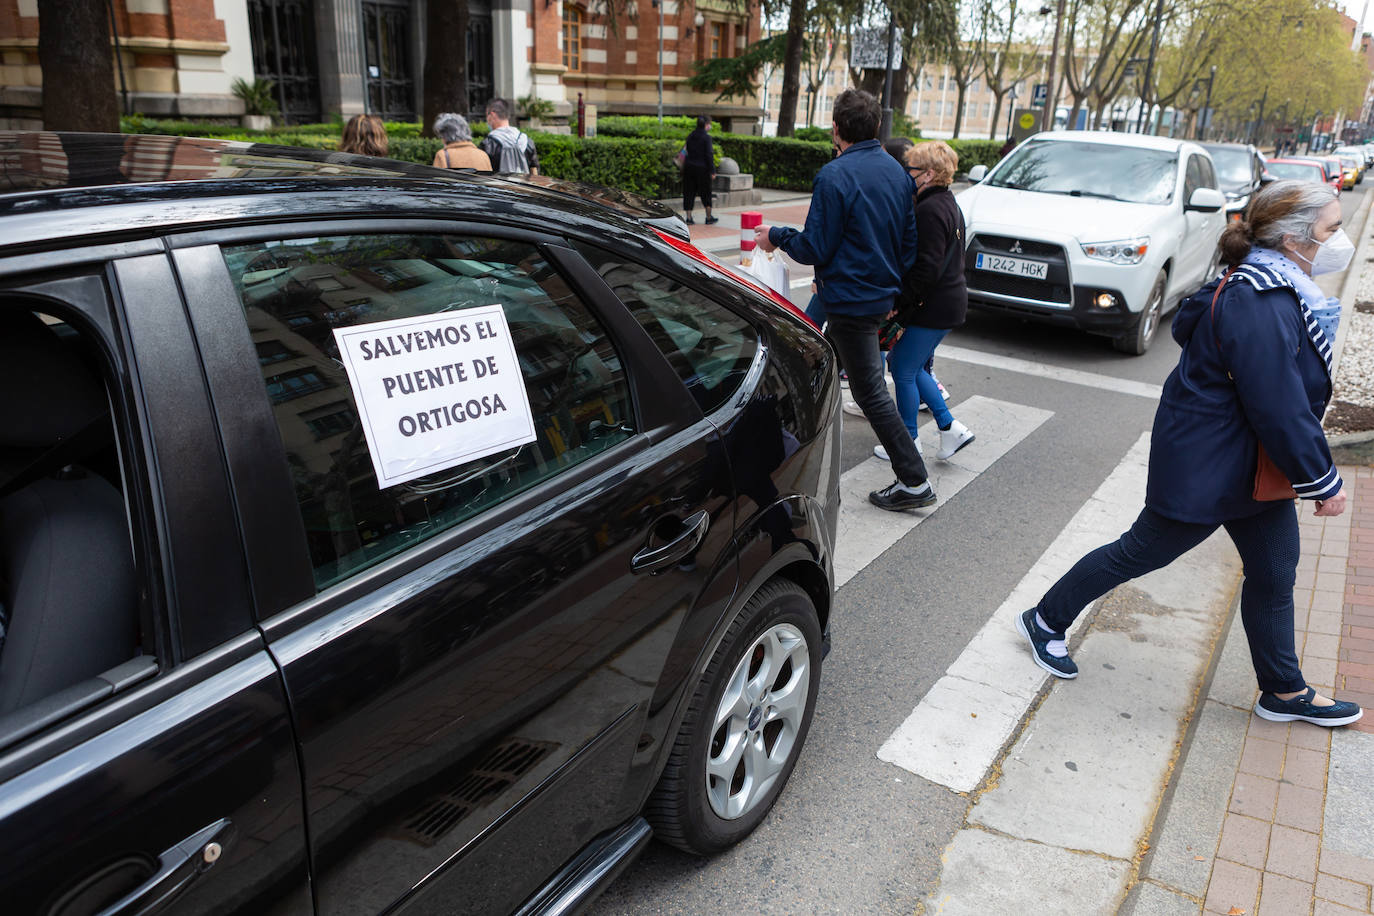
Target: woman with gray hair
[1237, 438]
[459, 151]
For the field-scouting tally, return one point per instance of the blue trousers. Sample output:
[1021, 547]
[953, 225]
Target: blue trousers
[910, 362]
[1268, 547]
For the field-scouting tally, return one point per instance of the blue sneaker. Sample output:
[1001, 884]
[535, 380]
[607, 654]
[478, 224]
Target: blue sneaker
[1060, 667]
[1300, 709]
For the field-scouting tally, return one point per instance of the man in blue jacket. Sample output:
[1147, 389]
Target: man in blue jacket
[861, 235]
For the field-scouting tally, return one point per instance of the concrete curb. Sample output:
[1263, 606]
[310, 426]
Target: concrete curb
[1352, 282]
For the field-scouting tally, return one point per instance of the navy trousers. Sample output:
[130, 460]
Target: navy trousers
[1268, 547]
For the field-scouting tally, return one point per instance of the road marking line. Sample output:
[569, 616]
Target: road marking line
[1055, 373]
[994, 676]
[866, 532]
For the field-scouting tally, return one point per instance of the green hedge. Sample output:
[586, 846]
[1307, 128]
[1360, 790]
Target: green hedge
[647, 126]
[775, 162]
[976, 152]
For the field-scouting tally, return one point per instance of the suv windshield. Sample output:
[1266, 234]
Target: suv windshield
[1142, 176]
[1233, 166]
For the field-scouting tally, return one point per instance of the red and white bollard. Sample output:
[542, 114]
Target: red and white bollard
[749, 220]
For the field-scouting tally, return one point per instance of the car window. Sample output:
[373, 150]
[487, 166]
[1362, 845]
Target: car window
[1192, 177]
[1312, 172]
[1083, 168]
[69, 595]
[709, 346]
[417, 305]
[1209, 175]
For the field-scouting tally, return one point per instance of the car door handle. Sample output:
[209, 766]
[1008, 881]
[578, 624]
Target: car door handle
[176, 868]
[656, 559]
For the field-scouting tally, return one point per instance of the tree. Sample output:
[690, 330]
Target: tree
[75, 57]
[791, 68]
[965, 59]
[1007, 56]
[446, 60]
[1100, 36]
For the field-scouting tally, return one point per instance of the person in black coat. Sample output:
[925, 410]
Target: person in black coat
[1248, 393]
[698, 169]
[933, 299]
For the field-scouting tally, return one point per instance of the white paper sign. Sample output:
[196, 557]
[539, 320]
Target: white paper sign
[436, 390]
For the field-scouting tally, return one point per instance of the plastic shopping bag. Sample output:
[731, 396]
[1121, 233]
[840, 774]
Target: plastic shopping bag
[769, 268]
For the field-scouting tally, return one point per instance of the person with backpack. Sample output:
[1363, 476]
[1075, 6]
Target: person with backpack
[508, 147]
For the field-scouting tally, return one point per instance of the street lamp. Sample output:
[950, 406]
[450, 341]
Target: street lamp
[1206, 106]
[1011, 109]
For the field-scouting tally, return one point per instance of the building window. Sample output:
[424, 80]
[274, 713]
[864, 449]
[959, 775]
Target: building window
[717, 40]
[925, 107]
[572, 37]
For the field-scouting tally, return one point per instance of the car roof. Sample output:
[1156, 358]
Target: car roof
[1210, 146]
[54, 173]
[1113, 138]
[1290, 160]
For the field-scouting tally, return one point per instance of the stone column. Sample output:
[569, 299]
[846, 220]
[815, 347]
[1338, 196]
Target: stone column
[339, 27]
[512, 46]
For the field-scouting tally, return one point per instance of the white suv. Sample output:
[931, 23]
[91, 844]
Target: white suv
[1101, 231]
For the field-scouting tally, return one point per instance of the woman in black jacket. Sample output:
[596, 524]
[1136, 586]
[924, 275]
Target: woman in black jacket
[933, 298]
[698, 168]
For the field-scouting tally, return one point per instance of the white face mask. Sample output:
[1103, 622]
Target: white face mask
[1333, 255]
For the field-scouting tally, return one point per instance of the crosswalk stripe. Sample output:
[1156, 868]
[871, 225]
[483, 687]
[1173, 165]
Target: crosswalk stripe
[1055, 373]
[940, 740]
[865, 532]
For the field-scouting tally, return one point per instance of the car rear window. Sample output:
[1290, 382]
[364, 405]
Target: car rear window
[299, 294]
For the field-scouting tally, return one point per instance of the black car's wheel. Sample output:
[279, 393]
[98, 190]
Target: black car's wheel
[745, 725]
[1138, 339]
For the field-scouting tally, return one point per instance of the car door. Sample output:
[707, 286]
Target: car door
[470, 653]
[147, 763]
[1198, 243]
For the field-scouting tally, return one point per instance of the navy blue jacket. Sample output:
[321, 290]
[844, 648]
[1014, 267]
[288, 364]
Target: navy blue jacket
[1253, 375]
[860, 231]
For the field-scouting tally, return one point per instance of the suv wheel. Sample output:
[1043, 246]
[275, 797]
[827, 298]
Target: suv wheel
[1138, 339]
[745, 725]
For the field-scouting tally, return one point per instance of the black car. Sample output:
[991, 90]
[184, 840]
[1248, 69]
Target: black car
[376, 538]
[1240, 171]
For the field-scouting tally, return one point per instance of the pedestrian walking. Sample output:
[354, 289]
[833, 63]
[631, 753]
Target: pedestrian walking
[699, 169]
[860, 234]
[364, 135]
[933, 298]
[508, 147]
[1245, 402]
[459, 151]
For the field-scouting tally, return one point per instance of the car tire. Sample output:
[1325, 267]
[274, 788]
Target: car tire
[1142, 333]
[745, 725]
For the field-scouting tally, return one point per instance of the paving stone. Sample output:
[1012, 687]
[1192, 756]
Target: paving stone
[1232, 886]
[1299, 807]
[1339, 890]
[1327, 908]
[1349, 801]
[1304, 767]
[1284, 896]
[1292, 853]
[1255, 796]
[1149, 899]
[1345, 865]
[1244, 840]
[985, 873]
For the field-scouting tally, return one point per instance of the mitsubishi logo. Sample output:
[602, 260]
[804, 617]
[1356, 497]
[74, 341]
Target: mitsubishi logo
[1015, 247]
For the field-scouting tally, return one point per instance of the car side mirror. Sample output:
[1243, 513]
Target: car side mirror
[1266, 177]
[977, 173]
[1206, 200]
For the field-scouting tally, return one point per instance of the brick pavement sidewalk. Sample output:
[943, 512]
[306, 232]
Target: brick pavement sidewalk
[1297, 836]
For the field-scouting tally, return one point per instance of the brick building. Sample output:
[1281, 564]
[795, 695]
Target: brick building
[178, 58]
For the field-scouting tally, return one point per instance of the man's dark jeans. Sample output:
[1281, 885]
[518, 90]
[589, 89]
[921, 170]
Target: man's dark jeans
[855, 338]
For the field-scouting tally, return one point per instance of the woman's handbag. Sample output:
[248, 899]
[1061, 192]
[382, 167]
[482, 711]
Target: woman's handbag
[1270, 483]
[680, 159]
[889, 333]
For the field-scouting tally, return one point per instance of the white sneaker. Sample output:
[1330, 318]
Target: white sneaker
[944, 392]
[853, 409]
[881, 453]
[953, 439]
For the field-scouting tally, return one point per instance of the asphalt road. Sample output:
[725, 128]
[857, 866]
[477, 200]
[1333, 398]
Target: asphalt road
[852, 834]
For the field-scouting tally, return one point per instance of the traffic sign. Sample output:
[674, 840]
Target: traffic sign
[1041, 95]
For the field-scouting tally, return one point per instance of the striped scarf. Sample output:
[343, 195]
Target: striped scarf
[1264, 268]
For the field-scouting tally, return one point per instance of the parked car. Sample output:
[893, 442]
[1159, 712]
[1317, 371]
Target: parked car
[1101, 231]
[1299, 169]
[1335, 175]
[379, 537]
[1352, 170]
[1240, 171]
[1364, 154]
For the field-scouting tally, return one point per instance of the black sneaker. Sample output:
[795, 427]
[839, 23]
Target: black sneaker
[897, 496]
[690, 221]
[712, 219]
[1060, 667]
[1300, 709]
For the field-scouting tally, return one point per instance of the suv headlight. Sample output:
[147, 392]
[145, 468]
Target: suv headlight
[1125, 251]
